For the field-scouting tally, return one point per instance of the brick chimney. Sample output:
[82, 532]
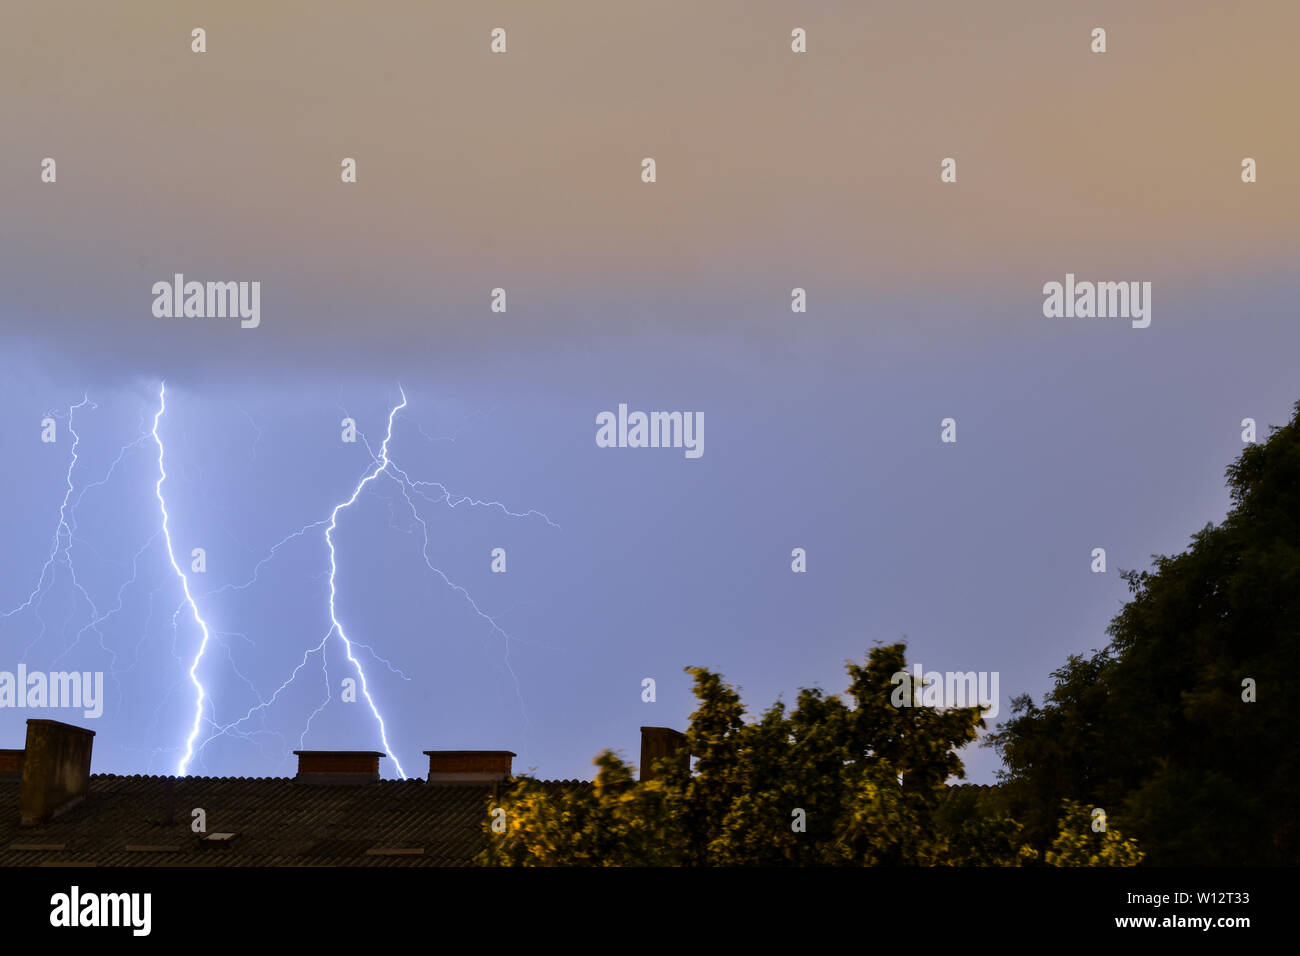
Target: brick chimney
[55, 768]
[11, 765]
[334, 767]
[469, 766]
[659, 742]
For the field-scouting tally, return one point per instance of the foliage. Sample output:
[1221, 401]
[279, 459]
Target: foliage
[870, 780]
[1077, 844]
[1157, 726]
[1156, 723]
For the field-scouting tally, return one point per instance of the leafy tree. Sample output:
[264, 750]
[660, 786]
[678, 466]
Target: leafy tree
[614, 821]
[979, 830]
[1157, 723]
[865, 780]
[1077, 844]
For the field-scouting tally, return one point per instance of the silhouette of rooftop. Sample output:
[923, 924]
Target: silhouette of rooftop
[271, 821]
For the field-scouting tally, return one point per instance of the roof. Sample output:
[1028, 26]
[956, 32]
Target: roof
[145, 821]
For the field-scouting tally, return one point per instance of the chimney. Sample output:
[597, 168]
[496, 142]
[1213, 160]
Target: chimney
[659, 742]
[56, 770]
[335, 767]
[11, 765]
[469, 766]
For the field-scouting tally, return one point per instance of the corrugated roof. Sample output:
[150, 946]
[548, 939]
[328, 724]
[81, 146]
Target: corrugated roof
[276, 822]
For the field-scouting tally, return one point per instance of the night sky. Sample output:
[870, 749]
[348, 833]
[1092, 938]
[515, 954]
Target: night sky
[522, 171]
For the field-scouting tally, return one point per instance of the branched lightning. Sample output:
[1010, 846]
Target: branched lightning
[337, 625]
[60, 529]
[200, 692]
[405, 484]
[65, 535]
[378, 463]
[381, 465]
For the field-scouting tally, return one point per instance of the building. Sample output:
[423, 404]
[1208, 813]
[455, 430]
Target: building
[335, 812]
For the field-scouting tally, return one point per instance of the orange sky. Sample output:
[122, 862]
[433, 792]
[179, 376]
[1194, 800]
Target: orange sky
[478, 170]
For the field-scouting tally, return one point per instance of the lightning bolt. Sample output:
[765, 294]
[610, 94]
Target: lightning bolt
[200, 693]
[407, 486]
[381, 465]
[61, 551]
[336, 624]
[60, 529]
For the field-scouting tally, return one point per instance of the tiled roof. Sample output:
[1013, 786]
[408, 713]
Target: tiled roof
[275, 822]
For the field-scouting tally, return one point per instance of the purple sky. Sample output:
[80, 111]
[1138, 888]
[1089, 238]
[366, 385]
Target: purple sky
[522, 171]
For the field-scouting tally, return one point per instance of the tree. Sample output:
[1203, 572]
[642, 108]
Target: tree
[1159, 724]
[615, 821]
[1080, 843]
[825, 783]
